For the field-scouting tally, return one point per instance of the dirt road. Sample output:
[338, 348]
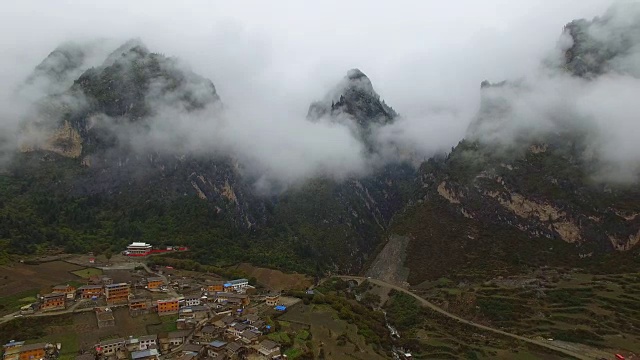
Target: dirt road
[437, 309]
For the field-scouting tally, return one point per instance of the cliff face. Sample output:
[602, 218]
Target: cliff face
[537, 190]
[84, 130]
[487, 206]
[604, 44]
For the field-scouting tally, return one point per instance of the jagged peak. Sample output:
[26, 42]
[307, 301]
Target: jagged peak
[604, 44]
[133, 47]
[354, 95]
[356, 80]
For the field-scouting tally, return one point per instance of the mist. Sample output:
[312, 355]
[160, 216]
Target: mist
[269, 62]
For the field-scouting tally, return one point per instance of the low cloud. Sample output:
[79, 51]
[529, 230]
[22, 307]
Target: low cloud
[599, 106]
[430, 74]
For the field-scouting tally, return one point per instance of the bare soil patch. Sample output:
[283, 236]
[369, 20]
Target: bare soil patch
[276, 279]
[17, 278]
[389, 264]
[86, 327]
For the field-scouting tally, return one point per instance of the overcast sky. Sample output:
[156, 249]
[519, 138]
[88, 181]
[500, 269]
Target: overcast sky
[417, 53]
[270, 59]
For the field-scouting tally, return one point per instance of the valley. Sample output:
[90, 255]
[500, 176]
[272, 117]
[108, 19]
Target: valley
[147, 213]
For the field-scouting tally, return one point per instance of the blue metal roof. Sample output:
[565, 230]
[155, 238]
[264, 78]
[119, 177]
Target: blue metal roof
[217, 343]
[144, 353]
[280, 308]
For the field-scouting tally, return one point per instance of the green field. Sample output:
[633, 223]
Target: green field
[11, 303]
[87, 273]
[68, 340]
[598, 311]
[167, 323]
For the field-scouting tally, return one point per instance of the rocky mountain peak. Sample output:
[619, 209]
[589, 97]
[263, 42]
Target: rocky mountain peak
[133, 48]
[604, 44]
[355, 97]
[131, 77]
[56, 73]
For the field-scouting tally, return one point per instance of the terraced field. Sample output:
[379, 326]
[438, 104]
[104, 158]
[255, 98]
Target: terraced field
[601, 311]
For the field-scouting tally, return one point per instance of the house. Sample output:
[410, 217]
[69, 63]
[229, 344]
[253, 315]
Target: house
[94, 280]
[173, 339]
[186, 324]
[251, 318]
[33, 351]
[139, 306]
[29, 309]
[269, 348]
[216, 348]
[168, 307]
[185, 313]
[192, 301]
[104, 316]
[249, 337]
[53, 301]
[236, 350]
[149, 354]
[105, 280]
[67, 289]
[238, 285]
[154, 283]
[214, 286]
[272, 300]
[200, 311]
[227, 297]
[181, 284]
[147, 341]
[110, 347]
[258, 325]
[141, 343]
[11, 350]
[235, 329]
[89, 291]
[187, 356]
[208, 333]
[194, 349]
[138, 249]
[117, 293]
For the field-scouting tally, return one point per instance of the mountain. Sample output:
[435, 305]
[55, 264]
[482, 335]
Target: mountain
[492, 207]
[354, 102]
[87, 179]
[61, 67]
[91, 184]
[605, 43]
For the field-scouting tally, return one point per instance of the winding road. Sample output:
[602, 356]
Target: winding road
[437, 309]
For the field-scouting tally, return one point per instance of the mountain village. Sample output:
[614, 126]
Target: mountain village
[213, 319]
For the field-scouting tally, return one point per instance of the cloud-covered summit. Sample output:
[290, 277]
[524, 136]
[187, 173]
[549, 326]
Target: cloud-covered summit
[583, 94]
[355, 97]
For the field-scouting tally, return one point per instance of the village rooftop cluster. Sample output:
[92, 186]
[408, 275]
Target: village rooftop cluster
[216, 319]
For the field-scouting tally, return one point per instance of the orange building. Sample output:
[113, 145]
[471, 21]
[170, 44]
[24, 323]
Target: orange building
[33, 351]
[11, 350]
[272, 300]
[154, 283]
[66, 289]
[138, 304]
[168, 307]
[53, 301]
[89, 291]
[117, 293]
[215, 286]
